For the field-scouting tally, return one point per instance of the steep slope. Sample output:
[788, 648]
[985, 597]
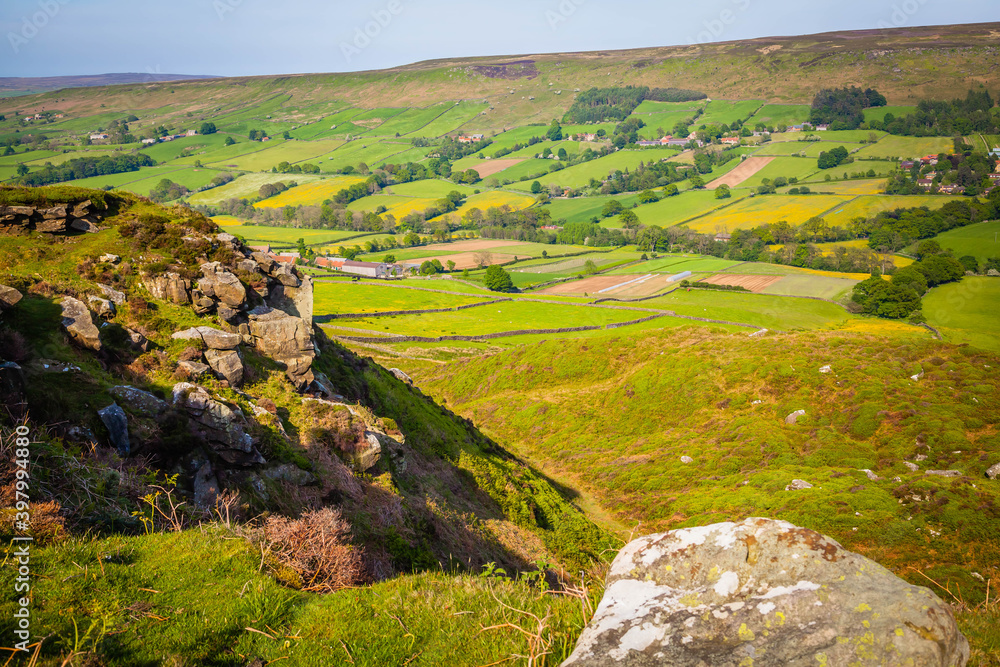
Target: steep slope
[137, 357]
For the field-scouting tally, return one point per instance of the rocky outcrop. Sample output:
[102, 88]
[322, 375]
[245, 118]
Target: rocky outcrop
[9, 297]
[227, 365]
[194, 368]
[214, 339]
[286, 339]
[220, 285]
[206, 486]
[139, 402]
[169, 287]
[51, 219]
[401, 376]
[297, 301]
[222, 428]
[794, 417]
[79, 324]
[117, 424]
[762, 592]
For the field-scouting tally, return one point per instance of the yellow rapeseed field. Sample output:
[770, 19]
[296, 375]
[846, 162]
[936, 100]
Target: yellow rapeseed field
[495, 199]
[765, 209]
[310, 194]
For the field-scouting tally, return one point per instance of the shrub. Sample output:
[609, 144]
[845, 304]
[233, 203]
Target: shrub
[317, 547]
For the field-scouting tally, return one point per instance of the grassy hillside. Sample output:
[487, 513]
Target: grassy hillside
[616, 418]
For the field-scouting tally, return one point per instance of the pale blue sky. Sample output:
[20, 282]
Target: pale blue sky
[245, 37]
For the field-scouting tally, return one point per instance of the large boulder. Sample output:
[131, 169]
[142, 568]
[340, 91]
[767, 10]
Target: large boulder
[214, 339]
[227, 365]
[169, 287]
[993, 471]
[762, 592]
[79, 324]
[116, 421]
[116, 297]
[138, 401]
[9, 297]
[221, 427]
[286, 339]
[221, 285]
[103, 307]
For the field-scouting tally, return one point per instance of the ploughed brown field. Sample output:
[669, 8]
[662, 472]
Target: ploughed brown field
[752, 283]
[747, 168]
[490, 167]
[615, 286]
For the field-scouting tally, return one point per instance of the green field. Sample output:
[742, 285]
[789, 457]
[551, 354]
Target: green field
[342, 296]
[789, 167]
[451, 120]
[781, 114]
[824, 287]
[582, 209]
[981, 240]
[719, 112]
[810, 149]
[879, 113]
[289, 151]
[670, 211]
[769, 312]
[672, 264]
[511, 316]
[579, 175]
[288, 236]
[966, 311]
[907, 147]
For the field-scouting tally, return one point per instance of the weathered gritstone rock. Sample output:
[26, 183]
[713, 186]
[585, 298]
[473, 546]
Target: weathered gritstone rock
[169, 287]
[117, 424]
[287, 340]
[401, 376]
[794, 417]
[993, 471]
[219, 284]
[9, 297]
[214, 339]
[227, 365]
[296, 301]
[138, 401]
[292, 474]
[194, 368]
[138, 341]
[116, 297]
[944, 473]
[222, 428]
[79, 324]
[264, 261]
[762, 592]
[206, 486]
[102, 307]
[285, 274]
[798, 485]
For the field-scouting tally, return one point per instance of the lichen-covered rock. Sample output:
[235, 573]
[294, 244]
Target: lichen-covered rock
[762, 592]
[944, 473]
[214, 339]
[138, 401]
[221, 427]
[366, 456]
[287, 340]
[206, 486]
[113, 295]
[194, 368]
[798, 485]
[9, 297]
[285, 274]
[221, 285]
[169, 287]
[292, 474]
[227, 365]
[794, 417]
[103, 307]
[79, 324]
[116, 422]
[401, 376]
[993, 471]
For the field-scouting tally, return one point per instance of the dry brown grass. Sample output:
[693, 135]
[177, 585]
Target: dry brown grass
[317, 547]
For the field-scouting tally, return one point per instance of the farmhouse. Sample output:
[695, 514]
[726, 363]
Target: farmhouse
[149, 141]
[823, 127]
[191, 133]
[470, 139]
[286, 257]
[732, 141]
[952, 189]
[99, 136]
[261, 248]
[906, 165]
[371, 269]
[723, 237]
[648, 143]
[335, 263]
[925, 183]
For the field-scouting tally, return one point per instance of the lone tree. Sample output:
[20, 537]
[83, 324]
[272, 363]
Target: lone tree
[498, 280]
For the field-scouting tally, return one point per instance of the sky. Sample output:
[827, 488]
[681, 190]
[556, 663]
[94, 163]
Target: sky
[248, 37]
